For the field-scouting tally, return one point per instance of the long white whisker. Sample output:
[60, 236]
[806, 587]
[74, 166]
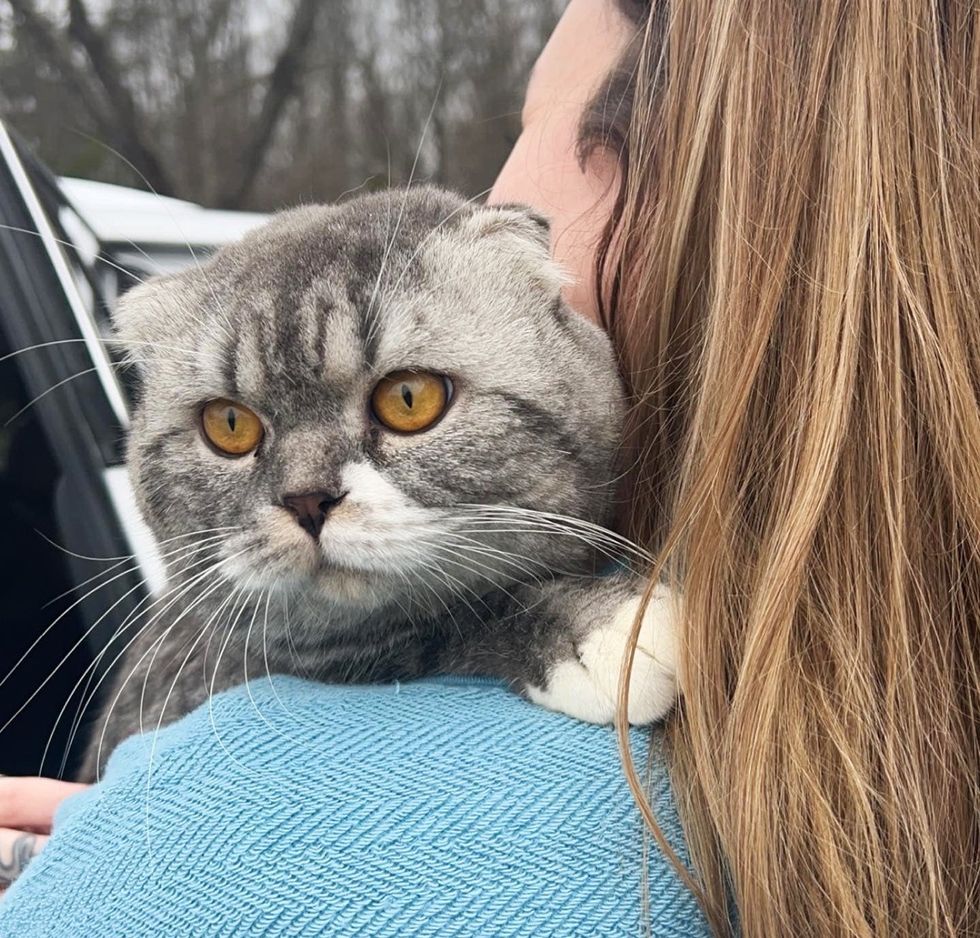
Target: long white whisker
[74, 247]
[61, 616]
[231, 598]
[473, 545]
[88, 692]
[121, 560]
[453, 558]
[129, 620]
[214, 676]
[148, 185]
[429, 234]
[265, 650]
[610, 551]
[110, 342]
[248, 687]
[514, 514]
[61, 383]
[441, 571]
[221, 325]
[207, 592]
[166, 701]
[370, 313]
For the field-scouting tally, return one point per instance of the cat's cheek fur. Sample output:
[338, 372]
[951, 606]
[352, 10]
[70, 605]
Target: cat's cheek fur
[376, 528]
[273, 551]
[587, 686]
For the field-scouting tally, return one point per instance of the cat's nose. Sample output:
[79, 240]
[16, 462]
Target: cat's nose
[311, 509]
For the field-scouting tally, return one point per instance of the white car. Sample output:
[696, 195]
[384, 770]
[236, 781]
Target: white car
[150, 233]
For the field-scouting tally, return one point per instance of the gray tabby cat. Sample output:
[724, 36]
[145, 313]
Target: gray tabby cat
[363, 434]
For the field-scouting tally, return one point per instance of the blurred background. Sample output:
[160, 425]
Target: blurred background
[253, 104]
[137, 136]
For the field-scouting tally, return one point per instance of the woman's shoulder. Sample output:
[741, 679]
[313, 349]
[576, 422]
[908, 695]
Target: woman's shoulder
[447, 806]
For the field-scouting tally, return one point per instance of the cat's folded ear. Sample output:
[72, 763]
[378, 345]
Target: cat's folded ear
[514, 218]
[144, 317]
[526, 231]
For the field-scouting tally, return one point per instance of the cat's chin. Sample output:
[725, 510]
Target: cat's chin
[321, 582]
[346, 587]
[299, 568]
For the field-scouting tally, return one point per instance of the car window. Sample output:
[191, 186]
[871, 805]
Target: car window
[63, 413]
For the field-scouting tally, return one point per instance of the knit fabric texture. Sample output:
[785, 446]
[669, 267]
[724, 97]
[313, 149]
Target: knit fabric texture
[288, 808]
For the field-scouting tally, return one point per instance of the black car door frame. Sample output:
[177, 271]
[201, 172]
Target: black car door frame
[80, 402]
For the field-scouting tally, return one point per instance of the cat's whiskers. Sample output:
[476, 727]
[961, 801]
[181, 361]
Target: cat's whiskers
[553, 521]
[438, 559]
[265, 648]
[76, 249]
[44, 633]
[110, 342]
[168, 558]
[606, 549]
[127, 362]
[47, 391]
[194, 603]
[288, 632]
[465, 542]
[425, 566]
[214, 676]
[131, 618]
[244, 595]
[499, 526]
[74, 589]
[154, 650]
[455, 550]
[120, 558]
[93, 665]
[158, 270]
[412, 599]
[207, 629]
[453, 557]
[123, 558]
[163, 202]
[370, 314]
[163, 710]
[264, 594]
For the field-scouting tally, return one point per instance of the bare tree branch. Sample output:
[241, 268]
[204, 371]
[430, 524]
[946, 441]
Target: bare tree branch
[175, 87]
[58, 54]
[282, 86]
[125, 112]
[217, 19]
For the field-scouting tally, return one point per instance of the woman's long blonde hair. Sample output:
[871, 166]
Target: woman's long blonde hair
[792, 278]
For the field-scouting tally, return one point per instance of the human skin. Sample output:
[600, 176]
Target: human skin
[542, 171]
[27, 806]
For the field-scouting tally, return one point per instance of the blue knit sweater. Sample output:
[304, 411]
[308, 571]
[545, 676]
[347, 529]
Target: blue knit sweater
[442, 807]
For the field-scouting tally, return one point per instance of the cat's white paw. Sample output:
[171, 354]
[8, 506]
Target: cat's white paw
[587, 687]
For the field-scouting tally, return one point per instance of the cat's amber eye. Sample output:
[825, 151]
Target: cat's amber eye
[409, 401]
[231, 428]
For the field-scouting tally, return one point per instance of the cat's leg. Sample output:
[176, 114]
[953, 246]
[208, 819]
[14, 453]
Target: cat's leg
[563, 644]
[586, 684]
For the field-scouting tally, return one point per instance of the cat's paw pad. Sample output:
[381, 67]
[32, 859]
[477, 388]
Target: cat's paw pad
[587, 687]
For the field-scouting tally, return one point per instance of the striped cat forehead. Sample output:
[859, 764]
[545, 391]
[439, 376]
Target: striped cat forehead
[324, 297]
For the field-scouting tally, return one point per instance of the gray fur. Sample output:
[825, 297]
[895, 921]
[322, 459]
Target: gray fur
[299, 321]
